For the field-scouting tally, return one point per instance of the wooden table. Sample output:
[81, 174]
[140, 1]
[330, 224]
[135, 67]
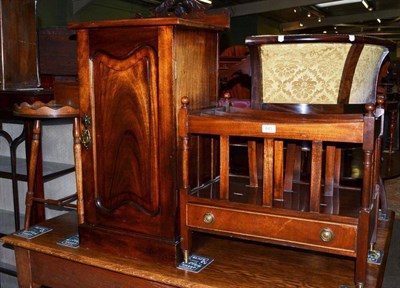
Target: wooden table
[41, 261]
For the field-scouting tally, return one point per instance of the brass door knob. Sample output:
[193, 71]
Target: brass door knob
[208, 218]
[326, 235]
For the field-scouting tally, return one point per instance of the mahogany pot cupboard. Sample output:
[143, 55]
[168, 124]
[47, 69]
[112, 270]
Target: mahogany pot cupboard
[132, 75]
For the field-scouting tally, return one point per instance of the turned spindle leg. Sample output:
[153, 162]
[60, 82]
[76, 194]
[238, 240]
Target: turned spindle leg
[78, 170]
[31, 173]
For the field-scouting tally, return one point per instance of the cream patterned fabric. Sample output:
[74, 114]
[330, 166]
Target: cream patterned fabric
[363, 89]
[302, 73]
[311, 73]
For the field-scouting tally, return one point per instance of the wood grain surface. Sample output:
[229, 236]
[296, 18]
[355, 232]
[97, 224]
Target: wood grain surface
[236, 263]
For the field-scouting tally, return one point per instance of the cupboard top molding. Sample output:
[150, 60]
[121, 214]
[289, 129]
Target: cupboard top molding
[213, 22]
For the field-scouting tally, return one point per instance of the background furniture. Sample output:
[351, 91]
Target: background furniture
[15, 168]
[20, 81]
[132, 74]
[234, 72]
[19, 68]
[51, 110]
[21, 45]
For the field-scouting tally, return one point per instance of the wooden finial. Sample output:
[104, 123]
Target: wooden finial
[185, 101]
[227, 103]
[227, 96]
[370, 108]
[380, 100]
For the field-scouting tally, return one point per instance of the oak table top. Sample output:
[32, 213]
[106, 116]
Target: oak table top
[236, 263]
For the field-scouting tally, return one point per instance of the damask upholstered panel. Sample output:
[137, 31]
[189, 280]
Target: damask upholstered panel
[302, 73]
[364, 85]
[317, 69]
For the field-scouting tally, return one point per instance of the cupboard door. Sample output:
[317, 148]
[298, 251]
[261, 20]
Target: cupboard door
[126, 139]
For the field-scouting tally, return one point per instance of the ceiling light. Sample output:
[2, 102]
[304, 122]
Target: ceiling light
[301, 24]
[206, 1]
[379, 20]
[365, 4]
[308, 14]
[319, 19]
[336, 3]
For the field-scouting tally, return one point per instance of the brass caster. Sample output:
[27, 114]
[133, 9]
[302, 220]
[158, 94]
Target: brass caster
[371, 246]
[186, 256]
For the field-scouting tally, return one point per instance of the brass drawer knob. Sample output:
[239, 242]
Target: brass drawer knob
[208, 218]
[326, 235]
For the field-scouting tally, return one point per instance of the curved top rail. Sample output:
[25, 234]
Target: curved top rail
[316, 38]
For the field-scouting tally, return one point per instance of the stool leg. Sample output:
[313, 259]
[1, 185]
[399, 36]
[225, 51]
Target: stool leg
[32, 171]
[78, 170]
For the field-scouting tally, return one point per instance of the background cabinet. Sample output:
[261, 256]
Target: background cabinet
[18, 62]
[132, 75]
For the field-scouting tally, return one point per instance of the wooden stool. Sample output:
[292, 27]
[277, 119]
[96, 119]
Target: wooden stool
[51, 110]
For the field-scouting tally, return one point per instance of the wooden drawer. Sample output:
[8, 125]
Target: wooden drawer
[289, 231]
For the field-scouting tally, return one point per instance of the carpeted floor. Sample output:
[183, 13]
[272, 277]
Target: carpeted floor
[392, 187]
[392, 272]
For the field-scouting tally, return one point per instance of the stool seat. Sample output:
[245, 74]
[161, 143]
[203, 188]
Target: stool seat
[51, 110]
[45, 110]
